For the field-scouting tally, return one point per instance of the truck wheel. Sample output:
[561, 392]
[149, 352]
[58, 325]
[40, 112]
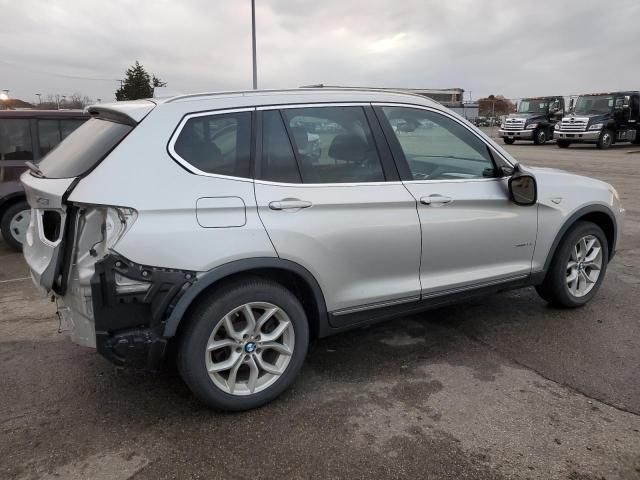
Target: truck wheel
[244, 344]
[577, 268]
[14, 223]
[509, 140]
[605, 140]
[563, 143]
[540, 136]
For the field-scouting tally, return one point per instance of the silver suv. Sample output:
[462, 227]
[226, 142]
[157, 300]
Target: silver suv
[208, 222]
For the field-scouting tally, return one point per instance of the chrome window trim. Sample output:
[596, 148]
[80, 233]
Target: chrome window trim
[314, 105]
[345, 184]
[184, 163]
[452, 117]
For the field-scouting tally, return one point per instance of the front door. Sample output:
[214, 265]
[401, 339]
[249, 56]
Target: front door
[328, 198]
[472, 234]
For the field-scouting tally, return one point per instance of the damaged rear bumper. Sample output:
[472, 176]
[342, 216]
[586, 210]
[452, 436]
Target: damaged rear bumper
[130, 305]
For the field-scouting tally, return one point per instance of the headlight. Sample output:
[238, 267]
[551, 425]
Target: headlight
[531, 126]
[596, 126]
[557, 127]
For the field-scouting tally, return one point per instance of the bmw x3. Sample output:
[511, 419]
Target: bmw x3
[234, 228]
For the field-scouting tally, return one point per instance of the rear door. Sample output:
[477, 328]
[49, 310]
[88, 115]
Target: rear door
[331, 201]
[472, 234]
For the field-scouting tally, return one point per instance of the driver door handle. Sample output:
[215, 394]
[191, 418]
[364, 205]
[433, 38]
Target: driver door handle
[289, 204]
[435, 200]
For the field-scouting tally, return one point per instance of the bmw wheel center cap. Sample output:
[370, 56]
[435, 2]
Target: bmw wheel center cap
[250, 347]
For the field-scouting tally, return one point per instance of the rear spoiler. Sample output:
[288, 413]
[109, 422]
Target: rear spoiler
[128, 113]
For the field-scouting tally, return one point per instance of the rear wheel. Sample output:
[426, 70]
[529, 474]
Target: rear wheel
[509, 140]
[563, 143]
[540, 136]
[14, 224]
[578, 267]
[605, 140]
[244, 344]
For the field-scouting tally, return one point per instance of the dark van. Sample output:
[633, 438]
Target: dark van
[27, 135]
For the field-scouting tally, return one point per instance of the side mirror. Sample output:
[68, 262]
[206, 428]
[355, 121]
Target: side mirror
[523, 188]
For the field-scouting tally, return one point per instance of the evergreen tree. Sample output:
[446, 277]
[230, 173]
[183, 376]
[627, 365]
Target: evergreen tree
[138, 84]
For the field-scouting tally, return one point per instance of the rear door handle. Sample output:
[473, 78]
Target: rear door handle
[435, 200]
[289, 204]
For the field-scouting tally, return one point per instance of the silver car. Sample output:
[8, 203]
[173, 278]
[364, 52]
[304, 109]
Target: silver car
[200, 221]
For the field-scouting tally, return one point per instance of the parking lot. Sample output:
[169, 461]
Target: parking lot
[499, 387]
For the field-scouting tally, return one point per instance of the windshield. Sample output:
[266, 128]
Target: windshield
[83, 149]
[533, 106]
[590, 104]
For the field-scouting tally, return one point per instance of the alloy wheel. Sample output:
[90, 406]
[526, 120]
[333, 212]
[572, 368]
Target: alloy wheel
[584, 266]
[250, 348]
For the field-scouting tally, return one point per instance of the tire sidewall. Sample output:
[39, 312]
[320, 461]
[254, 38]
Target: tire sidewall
[508, 140]
[601, 143]
[561, 259]
[536, 137]
[193, 345]
[5, 223]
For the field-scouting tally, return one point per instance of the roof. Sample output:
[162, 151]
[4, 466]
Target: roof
[624, 92]
[43, 114]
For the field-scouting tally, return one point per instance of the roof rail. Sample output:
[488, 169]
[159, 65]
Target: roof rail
[282, 90]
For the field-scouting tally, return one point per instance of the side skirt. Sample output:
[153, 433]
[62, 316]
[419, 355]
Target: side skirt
[341, 320]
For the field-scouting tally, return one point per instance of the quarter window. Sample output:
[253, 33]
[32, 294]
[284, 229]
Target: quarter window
[333, 145]
[218, 144]
[437, 147]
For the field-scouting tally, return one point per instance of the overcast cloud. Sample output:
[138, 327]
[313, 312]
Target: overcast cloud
[505, 47]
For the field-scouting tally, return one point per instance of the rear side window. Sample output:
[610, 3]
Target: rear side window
[15, 139]
[278, 161]
[218, 144]
[334, 145]
[84, 148]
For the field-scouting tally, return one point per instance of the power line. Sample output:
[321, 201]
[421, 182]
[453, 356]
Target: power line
[62, 75]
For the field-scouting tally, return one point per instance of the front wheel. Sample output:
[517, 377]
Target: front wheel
[244, 344]
[540, 136]
[605, 140]
[577, 268]
[14, 224]
[509, 140]
[563, 143]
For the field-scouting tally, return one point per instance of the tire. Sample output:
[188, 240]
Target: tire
[557, 288]
[563, 143]
[14, 222]
[540, 136]
[606, 139]
[206, 323]
[509, 140]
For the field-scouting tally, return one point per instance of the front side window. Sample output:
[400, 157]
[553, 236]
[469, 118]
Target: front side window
[437, 147]
[333, 145]
[218, 144]
[15, 139]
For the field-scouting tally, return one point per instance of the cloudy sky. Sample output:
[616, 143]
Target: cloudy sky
[505, 47]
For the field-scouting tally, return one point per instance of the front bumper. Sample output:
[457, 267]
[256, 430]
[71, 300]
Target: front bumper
[519, 134]
[588, 136]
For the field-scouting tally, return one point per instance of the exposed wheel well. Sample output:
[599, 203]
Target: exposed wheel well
[293, 282]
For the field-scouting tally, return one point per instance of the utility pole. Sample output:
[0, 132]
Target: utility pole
[253, 44]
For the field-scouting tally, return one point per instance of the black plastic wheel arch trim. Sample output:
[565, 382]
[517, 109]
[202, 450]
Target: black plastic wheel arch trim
[596, 208]
[246, 265]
